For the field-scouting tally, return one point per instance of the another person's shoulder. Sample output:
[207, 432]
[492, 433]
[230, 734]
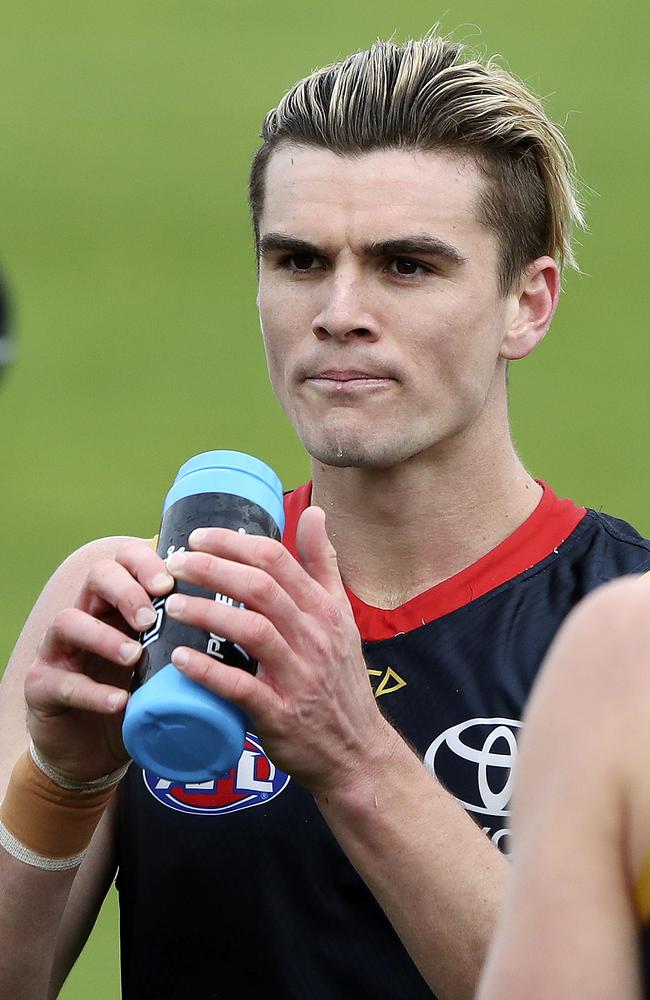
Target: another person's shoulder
[614, 608]
[602, 651]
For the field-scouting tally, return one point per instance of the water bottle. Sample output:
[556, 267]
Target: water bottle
[172, 725]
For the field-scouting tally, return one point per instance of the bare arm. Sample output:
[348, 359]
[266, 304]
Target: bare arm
[45, 916]
[437, 876]
[433, 871]
[581, 817]
[91, 883]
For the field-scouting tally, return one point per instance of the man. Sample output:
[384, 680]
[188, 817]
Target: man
[412, 212]
[580, 887]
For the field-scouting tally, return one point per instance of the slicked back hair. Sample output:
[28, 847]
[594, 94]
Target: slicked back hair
[425, 95]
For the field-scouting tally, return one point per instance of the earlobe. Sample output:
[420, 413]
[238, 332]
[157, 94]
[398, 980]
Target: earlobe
[535, 303]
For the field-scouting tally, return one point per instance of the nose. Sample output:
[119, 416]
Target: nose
[345, 310]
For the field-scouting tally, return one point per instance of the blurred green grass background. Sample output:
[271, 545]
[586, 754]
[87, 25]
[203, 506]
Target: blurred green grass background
[126, 135]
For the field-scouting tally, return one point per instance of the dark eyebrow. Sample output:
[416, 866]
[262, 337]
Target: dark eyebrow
[279, 241]
[432, 246]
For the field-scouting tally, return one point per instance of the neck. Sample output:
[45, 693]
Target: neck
[399, 531]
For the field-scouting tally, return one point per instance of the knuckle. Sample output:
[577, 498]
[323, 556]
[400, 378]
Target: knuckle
[203, 566]
[333, 614]
[133, 552]
[269, 553]
[35, 675]
[319, 645]
[260, 586]
[127, 549]
[67, 689]
[202, 666]
[259, 630]
[198, 568]
[98, 571]
[239, 685]
[203, 612]
[63, 622]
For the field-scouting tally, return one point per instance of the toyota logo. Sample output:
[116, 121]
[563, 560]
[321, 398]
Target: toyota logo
[477, 757]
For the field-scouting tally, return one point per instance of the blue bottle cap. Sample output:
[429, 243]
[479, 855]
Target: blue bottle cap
[230, 472]
[181, 731]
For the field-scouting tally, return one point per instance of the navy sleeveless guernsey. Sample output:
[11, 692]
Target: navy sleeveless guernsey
[236, 888]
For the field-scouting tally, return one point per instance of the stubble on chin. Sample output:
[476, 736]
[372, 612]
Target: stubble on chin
[343, 453]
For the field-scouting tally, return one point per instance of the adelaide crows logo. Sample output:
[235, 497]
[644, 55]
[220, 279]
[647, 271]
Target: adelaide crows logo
[253, 782]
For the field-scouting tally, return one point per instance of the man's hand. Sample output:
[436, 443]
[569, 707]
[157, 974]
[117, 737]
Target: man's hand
[77, 688]
[311, 702]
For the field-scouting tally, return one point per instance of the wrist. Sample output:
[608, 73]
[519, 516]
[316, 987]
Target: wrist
[368, 777]
[47, 819]
[73, 784]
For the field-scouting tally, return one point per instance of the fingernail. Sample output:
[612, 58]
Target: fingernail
[175, 561]
[197, 537]
[180, 657]
[116, 700]
[129, 651]
[162, 581]
[175, 604]
[145, 617]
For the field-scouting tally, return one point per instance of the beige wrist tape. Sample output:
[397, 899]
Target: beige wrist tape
[46, 825]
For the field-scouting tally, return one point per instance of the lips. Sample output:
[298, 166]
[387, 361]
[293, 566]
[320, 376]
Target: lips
[348, 382]
[369, 375]
[346, 375]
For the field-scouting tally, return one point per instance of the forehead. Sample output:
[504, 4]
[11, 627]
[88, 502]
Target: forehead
[371, 194]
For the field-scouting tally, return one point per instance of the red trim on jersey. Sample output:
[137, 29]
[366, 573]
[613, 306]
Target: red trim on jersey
[547, 527]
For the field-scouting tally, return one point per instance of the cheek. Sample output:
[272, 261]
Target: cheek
[460, 355]
[273, 356]
[277, 349]
[269, 321]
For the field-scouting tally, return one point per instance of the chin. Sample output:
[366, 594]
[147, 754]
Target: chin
[353, 454]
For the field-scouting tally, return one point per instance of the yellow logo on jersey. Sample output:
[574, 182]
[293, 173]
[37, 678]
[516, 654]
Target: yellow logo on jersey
[390, 681]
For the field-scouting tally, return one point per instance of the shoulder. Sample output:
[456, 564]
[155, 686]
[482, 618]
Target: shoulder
[608, 633]
[614, 545]
[588, 720]
[600, 658]
[591, 703]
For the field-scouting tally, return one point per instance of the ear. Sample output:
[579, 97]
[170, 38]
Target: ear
[534, 301]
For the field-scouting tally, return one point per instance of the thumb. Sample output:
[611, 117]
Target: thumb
[315, 551]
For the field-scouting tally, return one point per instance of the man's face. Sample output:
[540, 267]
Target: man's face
[379, 302]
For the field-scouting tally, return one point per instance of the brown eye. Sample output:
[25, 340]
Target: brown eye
[302, 261]
[406, 267]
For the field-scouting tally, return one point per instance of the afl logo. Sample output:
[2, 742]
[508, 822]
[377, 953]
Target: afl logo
[253, 782]
[477, 759]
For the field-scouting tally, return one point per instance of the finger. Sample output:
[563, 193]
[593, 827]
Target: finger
[255, 633]
[146, 566]
[74, 630]
[111, 584]
[255, 588]
[316, 552]
[255, 697]
[263, 553]
[49, 689]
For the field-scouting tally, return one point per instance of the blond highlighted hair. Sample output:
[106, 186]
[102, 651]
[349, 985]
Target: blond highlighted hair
[424, 94]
